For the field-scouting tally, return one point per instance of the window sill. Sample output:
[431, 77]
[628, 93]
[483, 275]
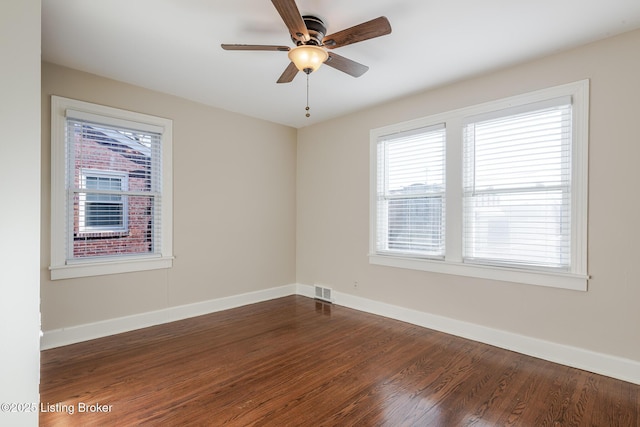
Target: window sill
[100, 268]
[570, 281]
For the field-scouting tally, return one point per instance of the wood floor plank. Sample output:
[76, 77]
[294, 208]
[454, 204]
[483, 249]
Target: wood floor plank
[295, 361]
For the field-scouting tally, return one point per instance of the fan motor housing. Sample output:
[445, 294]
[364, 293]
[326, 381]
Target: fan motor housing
[317, 30]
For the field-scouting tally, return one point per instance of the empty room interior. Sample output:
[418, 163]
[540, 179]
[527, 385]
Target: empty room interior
[436, 226]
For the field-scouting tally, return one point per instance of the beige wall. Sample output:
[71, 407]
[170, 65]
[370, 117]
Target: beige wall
[333, 209]
[234, 207]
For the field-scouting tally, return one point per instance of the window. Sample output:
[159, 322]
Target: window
[513, 177]
[111, 190]
[411, 192]
[517, 186]
[99, 211]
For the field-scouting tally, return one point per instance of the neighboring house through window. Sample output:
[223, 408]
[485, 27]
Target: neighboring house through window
[103, 212]
[111, 190]
[512, 174]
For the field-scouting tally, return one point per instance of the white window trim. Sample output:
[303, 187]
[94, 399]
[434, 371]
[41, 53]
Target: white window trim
[577, 277]
[59, 267]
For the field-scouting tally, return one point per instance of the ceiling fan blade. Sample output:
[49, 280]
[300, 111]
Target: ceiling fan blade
[365, 31]
[346, 65]
[289, 73]
[254, 47]
[292, 19]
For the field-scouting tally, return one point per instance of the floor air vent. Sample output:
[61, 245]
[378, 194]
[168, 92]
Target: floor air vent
[323, 293]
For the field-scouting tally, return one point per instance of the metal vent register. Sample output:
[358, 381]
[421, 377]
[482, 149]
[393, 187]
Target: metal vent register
[323, 293]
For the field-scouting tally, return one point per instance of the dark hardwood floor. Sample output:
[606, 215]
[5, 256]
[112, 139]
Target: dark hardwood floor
[295, 361]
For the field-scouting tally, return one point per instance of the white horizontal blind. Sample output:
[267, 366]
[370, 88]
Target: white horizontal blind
[113, 183]
[410, 193]
[517, 187]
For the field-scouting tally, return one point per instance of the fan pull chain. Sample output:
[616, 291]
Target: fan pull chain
[307, 108]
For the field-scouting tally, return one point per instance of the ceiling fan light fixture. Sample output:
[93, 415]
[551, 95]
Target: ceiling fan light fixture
[308, 58]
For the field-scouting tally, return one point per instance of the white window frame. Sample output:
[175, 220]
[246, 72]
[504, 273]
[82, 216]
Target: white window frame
[577, 277]
[60, 267]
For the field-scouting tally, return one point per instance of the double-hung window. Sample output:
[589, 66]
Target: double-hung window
[102, 206]
[410, 192]
[111, 190]
[513, 177]
[517, 186]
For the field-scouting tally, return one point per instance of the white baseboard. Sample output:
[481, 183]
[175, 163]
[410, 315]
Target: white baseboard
[599, 363]
[611, 366]
[89, 331]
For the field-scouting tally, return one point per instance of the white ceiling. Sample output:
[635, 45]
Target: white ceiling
[173, 46]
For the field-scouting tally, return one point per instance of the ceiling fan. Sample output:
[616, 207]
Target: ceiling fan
[309, 35]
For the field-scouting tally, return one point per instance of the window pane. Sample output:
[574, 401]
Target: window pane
[518, 228]
[415, 224]
[103, 183]
[138, 237]
[104, 215]
[525, 150]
